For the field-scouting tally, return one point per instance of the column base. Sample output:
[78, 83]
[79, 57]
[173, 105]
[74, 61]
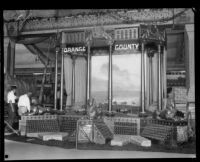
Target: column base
[143, 114]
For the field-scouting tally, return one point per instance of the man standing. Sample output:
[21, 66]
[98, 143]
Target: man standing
[24, 104]
[12, 108]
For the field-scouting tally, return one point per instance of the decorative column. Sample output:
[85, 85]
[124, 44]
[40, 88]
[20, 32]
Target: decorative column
[61, 80]
[142, 80]
[150, 73]
[73, 79]
[90, 78]
[159, 79]
[88, 73]
[164, 73]
[110, 79]
[190, 57]
[150, 55]
[56, 79]
[145, 82]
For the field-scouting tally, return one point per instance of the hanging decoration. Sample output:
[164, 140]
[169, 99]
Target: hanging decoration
[122, 16]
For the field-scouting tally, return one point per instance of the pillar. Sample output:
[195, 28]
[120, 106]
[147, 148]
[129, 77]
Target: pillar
[142, 80]
[110, 79]
[56, 79]
[146, 97]
[61, 80]
[73, 79]
[159, 79]
[150, 79]
[165, 73]
[88, 73]
[90, 78]
[190, 57]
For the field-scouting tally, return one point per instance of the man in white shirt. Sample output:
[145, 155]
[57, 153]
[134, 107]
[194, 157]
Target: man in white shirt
[24, 104]
[12, 107]
[11, 95]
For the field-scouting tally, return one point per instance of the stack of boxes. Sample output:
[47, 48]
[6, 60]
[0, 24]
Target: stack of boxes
[157, 132]
[176, 78]
[68, 123]
[85, 130]
[102, 130]
[53, 136]
[191, 108]
[93, 131]
[163, 130]
[191, 102]
[123, 128]
[180, 98]
[28, 124]
[141, 141]
[120, 140]
[34, 127]
[127, 126]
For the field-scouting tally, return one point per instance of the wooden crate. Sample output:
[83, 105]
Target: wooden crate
[141, 141]
[164, 130]
[85, 133]
[38, 117]
[120, 140]
[103, 129]
[125, 124]
[182, 135]
[46, 136]
[22, 127]
[98, 137]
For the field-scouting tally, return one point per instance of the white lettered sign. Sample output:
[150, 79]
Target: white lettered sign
[132, 46]
[74, 49]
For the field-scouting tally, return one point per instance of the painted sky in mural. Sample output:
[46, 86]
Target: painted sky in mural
[126, 77]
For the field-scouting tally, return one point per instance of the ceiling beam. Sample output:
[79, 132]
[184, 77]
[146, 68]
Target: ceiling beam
[77, 28]
[35, 51]
[106, 27]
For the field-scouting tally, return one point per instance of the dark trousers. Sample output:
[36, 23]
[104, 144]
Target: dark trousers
[12, 109]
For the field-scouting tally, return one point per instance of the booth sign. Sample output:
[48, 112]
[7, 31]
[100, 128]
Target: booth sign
[74, 49]
[132, 46]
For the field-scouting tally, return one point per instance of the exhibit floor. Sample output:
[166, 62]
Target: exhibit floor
[23, 151]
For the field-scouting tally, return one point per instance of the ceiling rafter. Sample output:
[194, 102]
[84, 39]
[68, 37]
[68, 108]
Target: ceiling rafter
[36, 51]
